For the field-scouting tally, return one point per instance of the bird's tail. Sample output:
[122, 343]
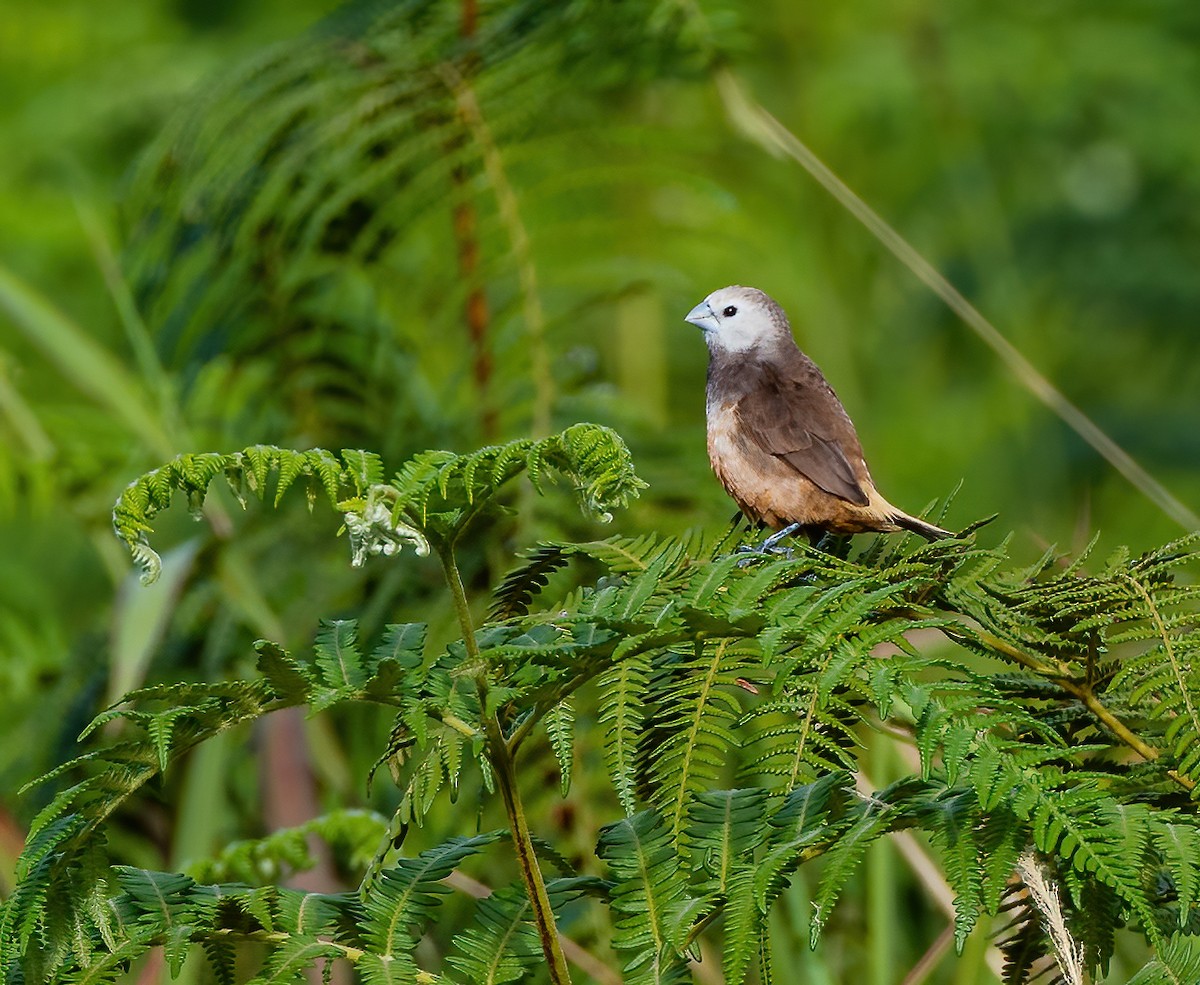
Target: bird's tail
[926, 530]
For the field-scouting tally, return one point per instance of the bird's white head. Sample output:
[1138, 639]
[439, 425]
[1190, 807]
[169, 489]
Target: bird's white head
[738, 319]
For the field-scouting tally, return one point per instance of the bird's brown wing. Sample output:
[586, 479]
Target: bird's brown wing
[803, 424]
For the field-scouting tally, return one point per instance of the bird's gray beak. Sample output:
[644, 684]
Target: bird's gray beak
[702, 317]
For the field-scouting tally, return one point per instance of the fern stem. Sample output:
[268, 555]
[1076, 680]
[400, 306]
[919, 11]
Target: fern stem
[1119, 728]
[531, 873]
[1056, 670]
[506, 778]
[351, 954]
[462, 610]
[1079, 690]
[459, 726]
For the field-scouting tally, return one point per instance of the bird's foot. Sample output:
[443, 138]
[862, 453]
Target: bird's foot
[751, 554]
[769, 547]
[775, 538]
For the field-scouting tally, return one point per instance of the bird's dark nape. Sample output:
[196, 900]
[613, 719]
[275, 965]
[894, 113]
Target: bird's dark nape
[926, 530]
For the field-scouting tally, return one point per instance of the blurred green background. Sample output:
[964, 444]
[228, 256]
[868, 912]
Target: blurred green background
[377, 225]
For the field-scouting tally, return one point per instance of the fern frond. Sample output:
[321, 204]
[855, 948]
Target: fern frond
[649, 898]
[1001, 838]
[955, 820]
[1176, 843]
[503, 945]
[352, 834]
[405, 896]
[843, 858]
[518, 588]
[1176, 961]
[560, 727]
[1023, 942]
[801, 823]
[165, 906]
[298, 954]
[622, 710]
[144, 498]
[725, 830]
[382, 517]
[694, 724]
[1085, 827]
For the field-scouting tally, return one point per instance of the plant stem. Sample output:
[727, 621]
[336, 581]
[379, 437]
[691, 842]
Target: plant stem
[1079, 689]
[531, 873]
[502, 762]
[458, 593]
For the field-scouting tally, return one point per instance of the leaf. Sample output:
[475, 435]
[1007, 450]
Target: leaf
[560, 727]
[841, 861]
[337, 654]
[649, 897]
[801, 822]
[405, 896]
[1176, 962]
[622, 697]
[726, 829]
[503, 944]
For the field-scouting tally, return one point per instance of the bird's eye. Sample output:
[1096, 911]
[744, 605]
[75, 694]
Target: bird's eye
[730, 311]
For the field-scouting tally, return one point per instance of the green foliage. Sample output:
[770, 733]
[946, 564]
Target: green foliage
[283, 271]
[714, 666]
[435, 495]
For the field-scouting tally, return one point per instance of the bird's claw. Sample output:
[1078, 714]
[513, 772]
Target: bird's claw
[762, 550]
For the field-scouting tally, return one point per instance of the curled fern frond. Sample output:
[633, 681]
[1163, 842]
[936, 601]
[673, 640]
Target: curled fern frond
[250, 469]
[352, 834]
[381, 517]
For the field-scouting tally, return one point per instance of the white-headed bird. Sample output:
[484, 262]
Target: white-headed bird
[778, 437]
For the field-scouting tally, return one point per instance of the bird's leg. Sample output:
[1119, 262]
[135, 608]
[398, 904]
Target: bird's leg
[775, 538]
[769, 546]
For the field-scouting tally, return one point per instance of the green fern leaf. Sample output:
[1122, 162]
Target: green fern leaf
[290, 465]
[307, 914]
[726, 829]
[1176, 962]
[222, 959]
[954, 819]
[1178, 845]
[843, 859]
[622, 699]
[503, 945]
[1000, 838]
[560, 727]
[1087, 828]
[518, 588]
[290, 680]
[402, 642]
[337, 655]
[289, 962]
[25, 909]
[156, 901]
[649, 898]
[403, 897]
[800, 824]
[697, 714]
[109, 966]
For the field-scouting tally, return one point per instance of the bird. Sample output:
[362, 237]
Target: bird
[779, 440]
